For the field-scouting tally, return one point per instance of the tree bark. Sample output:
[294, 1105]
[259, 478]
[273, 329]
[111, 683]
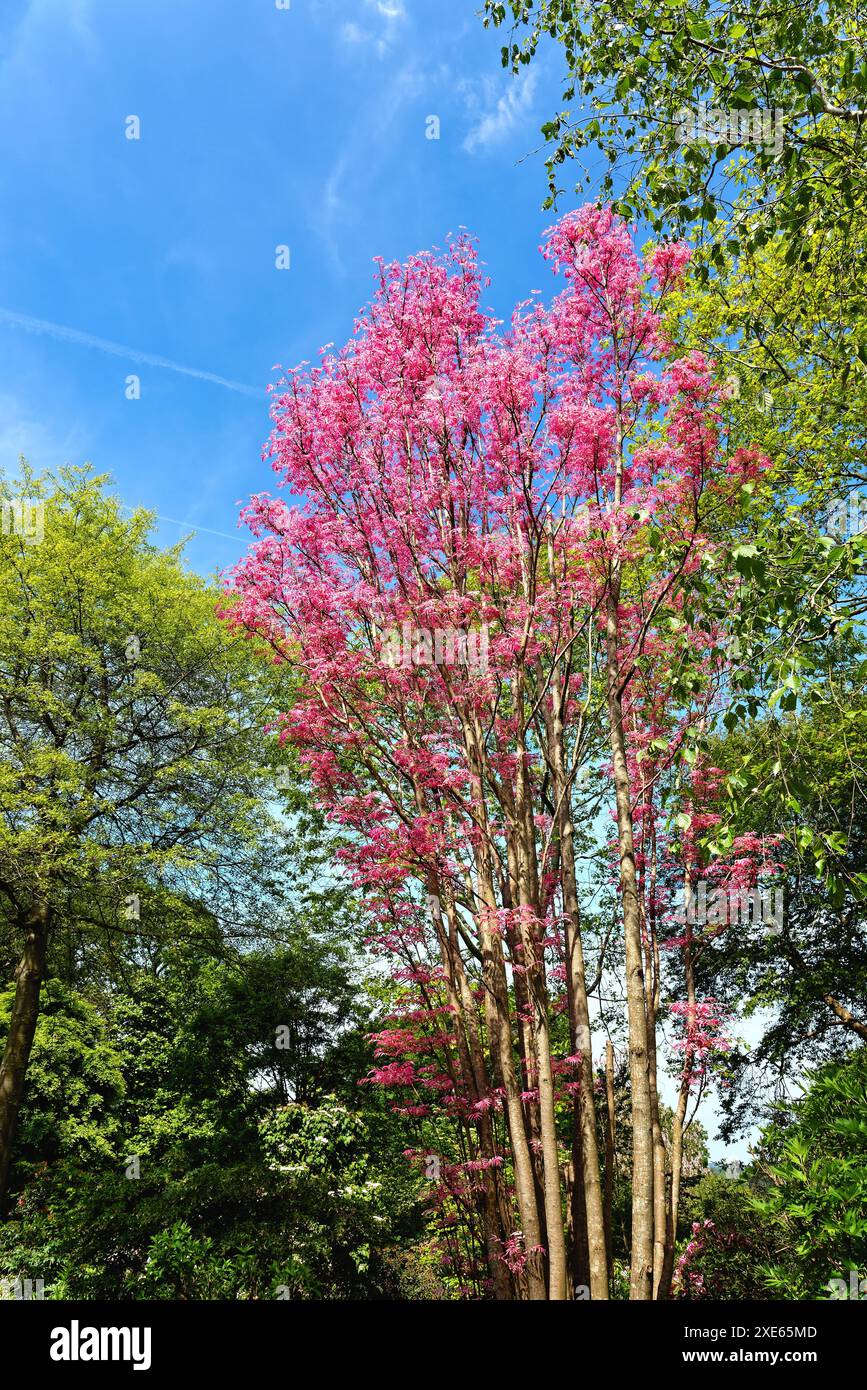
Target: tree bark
[528, 903]
[586, 1146]
[610, 1128]
[846, 1018]
[498, 1022]
[22, 1029]
[652, 991]
[660, 1203]
[641, 1273]
[475, 1078]
[677, 1123]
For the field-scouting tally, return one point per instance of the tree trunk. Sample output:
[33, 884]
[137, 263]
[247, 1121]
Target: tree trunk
[500, 1040]
[534, 962]
[579, 1025]
[641, 1274]
[652, 991]
[475, 1079]
[660, 1202]
[588, 1217]
[610, 1123]
[677, 1124]
[22, 1028]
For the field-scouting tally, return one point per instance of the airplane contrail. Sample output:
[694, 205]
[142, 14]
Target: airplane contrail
[74, 335]
[191, 524]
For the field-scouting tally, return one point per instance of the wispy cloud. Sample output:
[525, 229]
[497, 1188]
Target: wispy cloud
[24, 433]
[63, 334]
[22, 30]
[350, 32]
[392, 10]
[381, 21]
[500, 120]
[357, 158]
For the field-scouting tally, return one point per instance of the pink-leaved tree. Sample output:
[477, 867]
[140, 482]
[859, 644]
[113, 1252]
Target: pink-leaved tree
[487, 573]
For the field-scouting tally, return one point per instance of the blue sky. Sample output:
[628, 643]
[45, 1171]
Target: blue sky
[259, 127]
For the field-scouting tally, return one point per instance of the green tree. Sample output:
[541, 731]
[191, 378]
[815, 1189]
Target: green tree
[75, 1083]
[130, 767]
[739, 127]
[156, 1159]
[814, 1160]
[642, 67]
[725, 1243]
[805, 982]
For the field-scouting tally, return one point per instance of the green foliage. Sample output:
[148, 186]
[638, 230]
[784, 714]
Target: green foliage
[638, 68]
[75, 1082]
[173, 1045]
[157, 1157]
[131, 757]
[243, 1231]
[814, 1158]
[799, 781]
[192, 1125]
[724, 1243]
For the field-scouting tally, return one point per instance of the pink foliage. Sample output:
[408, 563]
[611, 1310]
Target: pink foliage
[446, 474]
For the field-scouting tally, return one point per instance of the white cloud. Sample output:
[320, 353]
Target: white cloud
[393, 10]
[499, 121]
[365, 147]
[384, 18]
[326, 222]
[351, 33]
